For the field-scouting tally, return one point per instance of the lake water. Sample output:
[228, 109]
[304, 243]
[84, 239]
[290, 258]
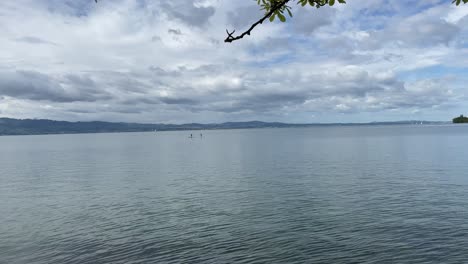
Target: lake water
[371, 194]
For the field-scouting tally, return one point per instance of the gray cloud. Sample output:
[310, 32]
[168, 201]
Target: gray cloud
[155, 38]
[210, 89]
[174, 31]
[69, 7]
[348, 90]
[421, 30]
[187, 12]
[34, 40]
[244, 16]
[178, 101]
[37, 86]
[307, 20]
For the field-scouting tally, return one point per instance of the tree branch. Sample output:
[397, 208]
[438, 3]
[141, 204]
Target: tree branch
[230, 38]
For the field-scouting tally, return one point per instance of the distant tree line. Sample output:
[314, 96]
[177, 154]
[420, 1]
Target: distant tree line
[460, 119]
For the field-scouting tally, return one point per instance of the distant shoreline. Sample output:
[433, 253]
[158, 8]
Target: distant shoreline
[17, 127]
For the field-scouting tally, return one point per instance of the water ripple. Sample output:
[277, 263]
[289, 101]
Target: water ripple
[273, 196]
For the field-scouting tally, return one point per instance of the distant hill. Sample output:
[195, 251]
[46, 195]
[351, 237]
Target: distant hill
[9, 126]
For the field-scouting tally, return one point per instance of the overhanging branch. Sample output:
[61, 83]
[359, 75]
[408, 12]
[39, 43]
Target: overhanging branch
[230, 38]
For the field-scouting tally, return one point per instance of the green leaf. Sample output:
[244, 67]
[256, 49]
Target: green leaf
[282, 18]
[272, 17]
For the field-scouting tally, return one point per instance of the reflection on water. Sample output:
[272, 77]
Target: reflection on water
[383, 194]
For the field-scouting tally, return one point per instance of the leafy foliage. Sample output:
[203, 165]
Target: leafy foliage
[460, 119]
[280, 7]
[458, 2]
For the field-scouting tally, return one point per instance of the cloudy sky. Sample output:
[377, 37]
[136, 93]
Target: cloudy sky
[165, 61]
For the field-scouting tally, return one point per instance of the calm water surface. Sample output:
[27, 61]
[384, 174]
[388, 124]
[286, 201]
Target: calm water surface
[378, 194]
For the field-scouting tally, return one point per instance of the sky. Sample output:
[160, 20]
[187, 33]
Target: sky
[164, 61]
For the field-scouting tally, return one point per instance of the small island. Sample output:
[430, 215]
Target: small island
[460, 119]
